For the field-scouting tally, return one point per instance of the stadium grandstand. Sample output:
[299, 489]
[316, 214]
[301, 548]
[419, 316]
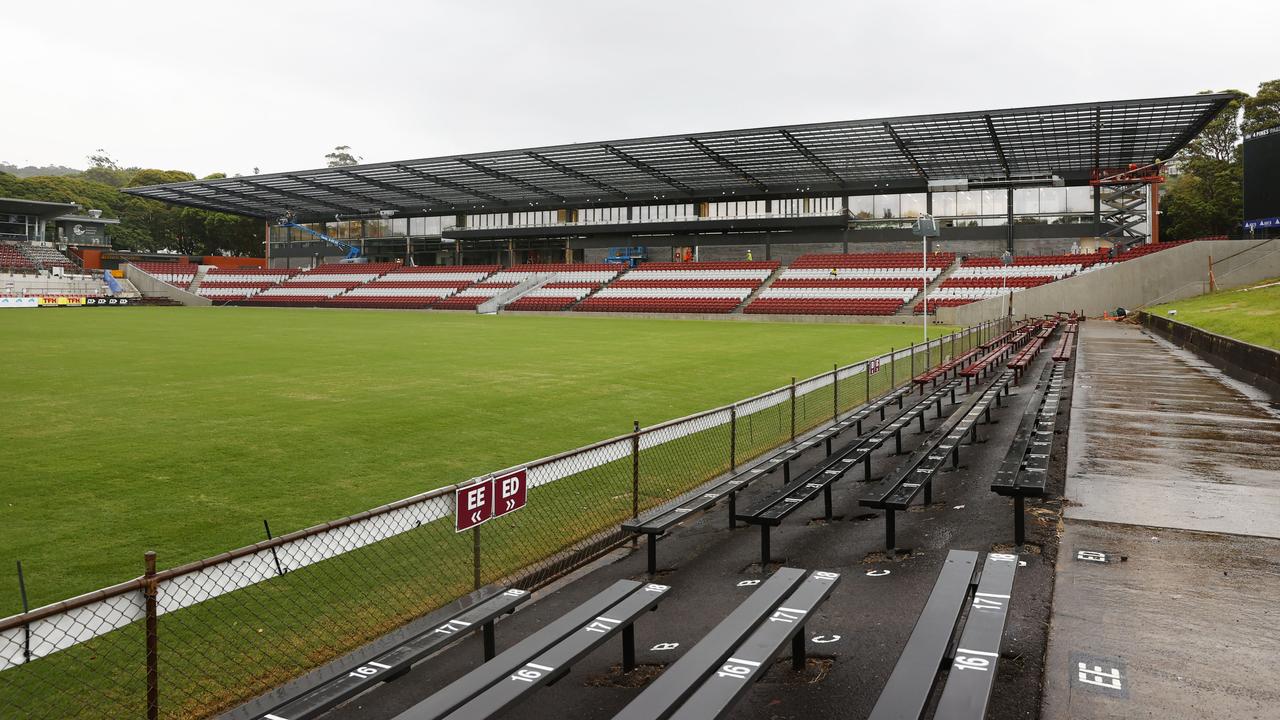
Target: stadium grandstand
[1013, 489]
[1034, 181]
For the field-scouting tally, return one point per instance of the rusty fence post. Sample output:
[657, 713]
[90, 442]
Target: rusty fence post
[835, 391]
[866, 375]
[733, 438]
[635, 469]
[26, 629]
[149, 593]
[793, 409]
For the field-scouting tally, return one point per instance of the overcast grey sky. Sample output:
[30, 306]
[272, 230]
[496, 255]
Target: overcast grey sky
[231, 85]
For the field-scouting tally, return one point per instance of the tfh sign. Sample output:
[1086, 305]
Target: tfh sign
[489, 498]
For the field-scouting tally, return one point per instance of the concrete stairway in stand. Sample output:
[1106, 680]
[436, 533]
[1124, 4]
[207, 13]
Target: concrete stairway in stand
[756, 293]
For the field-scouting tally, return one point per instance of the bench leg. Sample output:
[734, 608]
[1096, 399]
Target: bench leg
[881, 413]
[826, 500]
[797, 651]
[921, 418]
[888, 530]
[966, 383]
[955, 456]
[828, 445]
[899, 407]
[786, 472]
[1019, 521]
[629, 648]
[489, 649]
[859, 427]
[653, 553]
[866, 468]
[928, 491]
[733, 511]
[973, 434]
[764, 546]
[953, 396]
[897, 440]
[988, 412]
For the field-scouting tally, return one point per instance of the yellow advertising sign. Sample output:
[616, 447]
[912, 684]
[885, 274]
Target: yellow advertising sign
[61, 301]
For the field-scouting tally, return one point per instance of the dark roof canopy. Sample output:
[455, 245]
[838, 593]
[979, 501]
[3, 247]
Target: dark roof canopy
[35, 208]
[855, 157]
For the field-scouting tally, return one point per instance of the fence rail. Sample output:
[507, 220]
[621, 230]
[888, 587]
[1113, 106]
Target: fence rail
[198, 639]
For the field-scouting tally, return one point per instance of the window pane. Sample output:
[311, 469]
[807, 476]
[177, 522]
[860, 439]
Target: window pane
[944, 203]
[1026, 201]
[995, 202]
[1053, 200]
[1080, 199]
[913, 204]
[862, 207]
[886, 206]
[969, 203]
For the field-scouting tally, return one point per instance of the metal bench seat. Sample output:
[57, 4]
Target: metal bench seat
[657, 522]
[1024, 471]
[545, 655]
[772, 510]
[972, 666]
[916, 474]
[398, 660]
[707, 680]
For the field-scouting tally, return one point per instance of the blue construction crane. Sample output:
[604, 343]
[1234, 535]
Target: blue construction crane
[629, 256]
[353, 252]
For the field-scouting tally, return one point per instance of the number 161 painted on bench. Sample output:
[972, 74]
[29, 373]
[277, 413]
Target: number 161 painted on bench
[488, 499]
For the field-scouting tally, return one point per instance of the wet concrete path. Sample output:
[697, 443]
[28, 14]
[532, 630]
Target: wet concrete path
[1157, 439]
[1165, 601]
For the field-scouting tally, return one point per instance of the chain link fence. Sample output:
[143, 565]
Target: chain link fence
[200, 639]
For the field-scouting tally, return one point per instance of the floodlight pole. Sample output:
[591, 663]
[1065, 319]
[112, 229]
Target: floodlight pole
[924, 282]
[926, 227]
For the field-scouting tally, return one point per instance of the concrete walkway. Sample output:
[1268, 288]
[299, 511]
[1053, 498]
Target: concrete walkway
[1165, 597]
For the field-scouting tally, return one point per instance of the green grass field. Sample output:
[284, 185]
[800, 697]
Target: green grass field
[1249, 315]
[180, 429]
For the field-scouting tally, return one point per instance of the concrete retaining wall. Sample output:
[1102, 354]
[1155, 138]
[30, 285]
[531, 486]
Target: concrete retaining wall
[1258, 366]
[1168, 275]
[150, 286]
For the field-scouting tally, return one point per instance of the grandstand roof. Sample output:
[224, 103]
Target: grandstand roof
[34, 208]
[854, 157]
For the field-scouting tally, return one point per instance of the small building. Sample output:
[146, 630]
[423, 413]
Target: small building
[30, 220]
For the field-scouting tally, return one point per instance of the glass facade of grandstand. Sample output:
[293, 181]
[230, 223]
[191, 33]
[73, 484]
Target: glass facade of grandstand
[973, 208]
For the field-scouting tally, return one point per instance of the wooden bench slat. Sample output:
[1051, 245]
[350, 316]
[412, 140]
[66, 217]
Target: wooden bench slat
[394, 662]
[477, 681]
[973, 671]
[752, 658]
[682, 678]
[907, 692]
[556, 660]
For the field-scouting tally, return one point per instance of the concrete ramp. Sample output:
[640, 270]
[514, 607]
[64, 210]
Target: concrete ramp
[1164, 604]
[1172, 274]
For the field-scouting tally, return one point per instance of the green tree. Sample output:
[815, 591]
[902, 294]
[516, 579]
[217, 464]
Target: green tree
[1262, 111]
[145, 225]
[1203, 196]
[104, 169]
[341, 157]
